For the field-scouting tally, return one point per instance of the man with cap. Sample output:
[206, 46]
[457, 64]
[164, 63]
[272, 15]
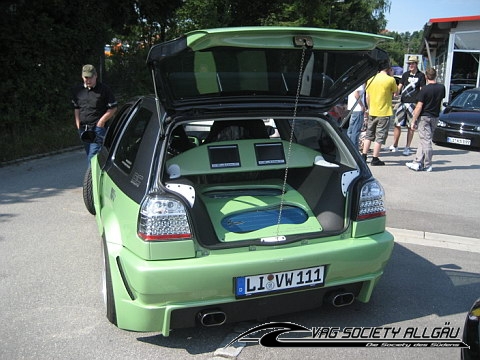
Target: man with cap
[94, 104]
[408, 87]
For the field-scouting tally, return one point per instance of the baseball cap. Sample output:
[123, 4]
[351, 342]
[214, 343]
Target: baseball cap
[412, 59]
[88, 70]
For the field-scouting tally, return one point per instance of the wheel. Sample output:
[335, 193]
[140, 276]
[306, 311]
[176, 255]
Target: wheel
[88, 191]
[107, 288]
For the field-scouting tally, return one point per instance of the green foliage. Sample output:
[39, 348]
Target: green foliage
[45, 43]
[40, 64]
[128, 75]
[404, 43]
[356, 15]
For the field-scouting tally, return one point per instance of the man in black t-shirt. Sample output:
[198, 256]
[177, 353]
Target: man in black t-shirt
[427, 110]
[409, 87]
[94, 104]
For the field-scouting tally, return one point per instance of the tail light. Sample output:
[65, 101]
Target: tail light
[163, 218]
[372, 201]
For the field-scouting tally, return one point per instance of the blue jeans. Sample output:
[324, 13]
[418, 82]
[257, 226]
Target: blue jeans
[92, 148]
[355, 127]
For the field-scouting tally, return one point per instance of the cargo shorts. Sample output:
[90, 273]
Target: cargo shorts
[377, 128]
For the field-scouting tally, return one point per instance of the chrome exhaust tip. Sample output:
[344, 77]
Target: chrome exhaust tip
[212, 317]
[339, 299]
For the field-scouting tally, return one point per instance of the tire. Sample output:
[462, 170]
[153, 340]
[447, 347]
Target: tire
[107, 288]
[88, 192]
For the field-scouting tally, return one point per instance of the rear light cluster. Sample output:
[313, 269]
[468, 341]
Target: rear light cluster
[372, 201]
[163, 218]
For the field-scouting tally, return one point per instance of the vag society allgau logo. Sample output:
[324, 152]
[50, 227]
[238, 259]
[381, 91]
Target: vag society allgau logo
[286, 334]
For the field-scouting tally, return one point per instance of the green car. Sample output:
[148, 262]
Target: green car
[232, 194]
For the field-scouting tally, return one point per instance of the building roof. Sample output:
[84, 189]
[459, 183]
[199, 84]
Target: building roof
[454, 19]
[437, 30]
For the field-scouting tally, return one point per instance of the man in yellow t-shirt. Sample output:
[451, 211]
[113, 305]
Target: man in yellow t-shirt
[380, 90]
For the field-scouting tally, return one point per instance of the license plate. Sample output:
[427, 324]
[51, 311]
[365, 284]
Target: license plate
[459, 141]
[280, 281]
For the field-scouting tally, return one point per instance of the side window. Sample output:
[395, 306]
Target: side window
[315, 136]
[129, 144]
[115, 126]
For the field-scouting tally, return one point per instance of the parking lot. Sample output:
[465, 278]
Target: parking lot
[445, 201]
[51, 278]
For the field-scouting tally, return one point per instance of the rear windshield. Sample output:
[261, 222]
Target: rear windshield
[226, 71]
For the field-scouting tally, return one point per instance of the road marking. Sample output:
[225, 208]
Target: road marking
[436, 240]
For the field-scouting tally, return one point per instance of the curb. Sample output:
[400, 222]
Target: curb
[423, 238]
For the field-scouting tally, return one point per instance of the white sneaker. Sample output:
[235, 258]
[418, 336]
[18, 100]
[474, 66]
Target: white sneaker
[428, 169]
[393, 148]
[413, 166]
[407, 151]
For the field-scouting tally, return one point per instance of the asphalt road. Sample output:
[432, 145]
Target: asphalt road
[50, 261]
[423, 287]
[444, 201]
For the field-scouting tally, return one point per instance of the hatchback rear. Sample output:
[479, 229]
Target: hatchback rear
[232, 194]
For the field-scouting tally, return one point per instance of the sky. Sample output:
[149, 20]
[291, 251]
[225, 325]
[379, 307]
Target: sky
[412, 15]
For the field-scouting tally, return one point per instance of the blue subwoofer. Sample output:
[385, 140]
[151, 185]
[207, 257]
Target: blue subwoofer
[261, 218]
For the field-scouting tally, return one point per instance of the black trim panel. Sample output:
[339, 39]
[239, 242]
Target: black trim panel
[261, 308]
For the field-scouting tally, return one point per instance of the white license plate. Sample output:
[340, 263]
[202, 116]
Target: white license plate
[281, 281]
[459, 141]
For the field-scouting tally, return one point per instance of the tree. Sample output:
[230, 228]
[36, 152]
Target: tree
[402, 43]
[194, 14]
[357, 15]
[44, 61]
[41, 63]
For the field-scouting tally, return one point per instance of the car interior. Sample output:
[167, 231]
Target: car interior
[244, 189]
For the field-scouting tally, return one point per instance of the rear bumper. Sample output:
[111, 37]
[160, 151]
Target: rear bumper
[163, 295]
